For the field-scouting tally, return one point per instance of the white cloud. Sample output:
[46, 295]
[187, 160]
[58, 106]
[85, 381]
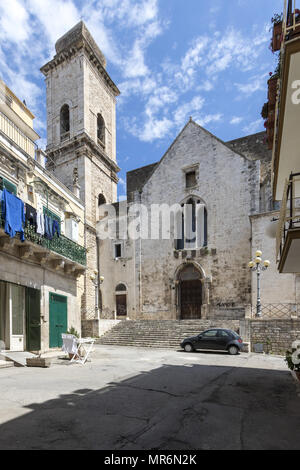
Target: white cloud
[253, 127]
[14, 21]
[55, 16]
[256, 83]
[236, 120]
[208, 118]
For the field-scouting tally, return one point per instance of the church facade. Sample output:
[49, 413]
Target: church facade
[201, 274]
[205, 275]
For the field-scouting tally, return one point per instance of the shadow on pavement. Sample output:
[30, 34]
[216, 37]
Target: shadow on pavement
[172, 407]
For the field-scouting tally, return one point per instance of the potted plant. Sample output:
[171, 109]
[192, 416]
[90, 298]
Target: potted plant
[277, 32]
[292, 358]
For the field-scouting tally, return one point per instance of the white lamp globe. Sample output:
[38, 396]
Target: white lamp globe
[258, 254]
[267, 263]
[251, 264]
[257, 260]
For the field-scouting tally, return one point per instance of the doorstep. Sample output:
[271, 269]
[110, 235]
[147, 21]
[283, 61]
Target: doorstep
[6, 364]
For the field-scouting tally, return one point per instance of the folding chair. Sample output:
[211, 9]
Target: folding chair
[85, 346]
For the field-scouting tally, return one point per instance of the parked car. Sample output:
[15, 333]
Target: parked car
[214, 339]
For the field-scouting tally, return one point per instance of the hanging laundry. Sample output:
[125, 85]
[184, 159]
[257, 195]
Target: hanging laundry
[40, 222]
[31, 216]
[56, 228]
[13, 214]
[48, 227]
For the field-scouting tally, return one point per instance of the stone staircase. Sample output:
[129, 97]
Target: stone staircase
[160, 333]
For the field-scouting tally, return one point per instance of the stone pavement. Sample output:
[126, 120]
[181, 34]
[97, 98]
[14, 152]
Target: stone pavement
[129, 398]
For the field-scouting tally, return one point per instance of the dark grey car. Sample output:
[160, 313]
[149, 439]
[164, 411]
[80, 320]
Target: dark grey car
[214, 339]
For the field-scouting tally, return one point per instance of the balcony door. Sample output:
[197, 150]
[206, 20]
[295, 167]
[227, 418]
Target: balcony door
[12, 316]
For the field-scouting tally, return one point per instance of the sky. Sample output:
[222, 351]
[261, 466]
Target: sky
[171, 59]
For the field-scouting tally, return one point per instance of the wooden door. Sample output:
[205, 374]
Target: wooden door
[58, 312]
[33, 319]
[191, 299]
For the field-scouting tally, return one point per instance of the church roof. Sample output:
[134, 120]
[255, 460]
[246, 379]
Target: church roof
[252, 146]
[137, 178]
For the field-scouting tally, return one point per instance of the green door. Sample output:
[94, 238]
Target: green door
[33, 319]
[58, 311]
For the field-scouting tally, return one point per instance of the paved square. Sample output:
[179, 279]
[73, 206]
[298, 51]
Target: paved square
[129, 398]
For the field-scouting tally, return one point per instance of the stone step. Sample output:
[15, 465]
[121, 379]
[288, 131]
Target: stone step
[6, 364]
[166, 334]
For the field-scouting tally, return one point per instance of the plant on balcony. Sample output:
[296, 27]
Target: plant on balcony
[277, 32]
[265, 111]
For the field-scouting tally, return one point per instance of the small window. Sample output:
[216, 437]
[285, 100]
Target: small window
[5, 184]
[101, 200]
[190, 179]
[118, 250]
[64, 120]
[101, 130]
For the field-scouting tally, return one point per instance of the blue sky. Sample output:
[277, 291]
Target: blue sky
[171, 59]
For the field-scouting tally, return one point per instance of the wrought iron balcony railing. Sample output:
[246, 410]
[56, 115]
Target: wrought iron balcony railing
[290, 213]
[61, 245]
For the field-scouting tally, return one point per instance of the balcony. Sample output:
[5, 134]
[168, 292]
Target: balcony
[60, 253]
[288, 230]
[16, 135]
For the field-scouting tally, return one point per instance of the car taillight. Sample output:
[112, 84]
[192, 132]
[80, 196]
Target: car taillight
[240, 340]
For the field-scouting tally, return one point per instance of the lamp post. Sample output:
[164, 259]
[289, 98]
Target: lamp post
[258, 266]
[97, 281]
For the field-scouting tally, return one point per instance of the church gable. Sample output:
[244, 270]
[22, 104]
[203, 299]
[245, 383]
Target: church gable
[196, 162]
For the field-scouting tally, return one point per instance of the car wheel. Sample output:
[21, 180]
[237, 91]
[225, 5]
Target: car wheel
[233, 350]
[188, 347]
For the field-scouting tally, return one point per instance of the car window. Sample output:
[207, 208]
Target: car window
[223, 333]
[210, 333]
[235, 334]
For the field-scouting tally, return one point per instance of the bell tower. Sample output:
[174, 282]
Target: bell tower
[81, 132]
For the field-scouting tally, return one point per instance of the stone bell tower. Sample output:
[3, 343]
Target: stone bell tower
[81, 127]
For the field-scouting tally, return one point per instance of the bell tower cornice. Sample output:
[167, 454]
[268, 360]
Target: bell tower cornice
[78, 40]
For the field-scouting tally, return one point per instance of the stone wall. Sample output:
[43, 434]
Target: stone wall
[276, 336]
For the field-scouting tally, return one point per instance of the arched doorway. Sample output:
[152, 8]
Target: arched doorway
[121, 300]
[190, 293]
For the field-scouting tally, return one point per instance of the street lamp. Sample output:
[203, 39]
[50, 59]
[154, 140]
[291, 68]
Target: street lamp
[95, 278]
[258, 266]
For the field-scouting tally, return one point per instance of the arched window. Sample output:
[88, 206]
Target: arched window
[64, 119]
[101, 130]
[121, 288]
[191, 225]
[101, 200]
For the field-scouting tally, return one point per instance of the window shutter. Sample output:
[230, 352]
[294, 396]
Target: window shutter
[5, 184]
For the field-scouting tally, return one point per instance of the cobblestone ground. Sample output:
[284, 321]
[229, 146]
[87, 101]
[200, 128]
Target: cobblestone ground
[129, 398]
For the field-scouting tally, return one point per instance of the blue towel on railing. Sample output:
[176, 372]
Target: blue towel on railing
[13, 214]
